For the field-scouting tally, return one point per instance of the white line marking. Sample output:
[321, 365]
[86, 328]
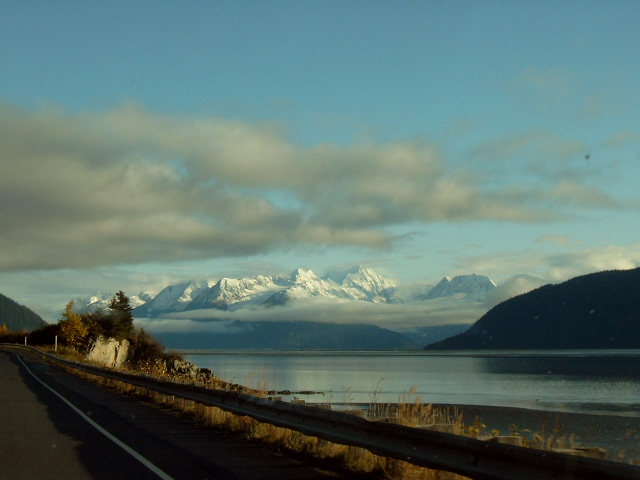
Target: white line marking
[115, 440]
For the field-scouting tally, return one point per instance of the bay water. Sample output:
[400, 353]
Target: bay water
[605, 382]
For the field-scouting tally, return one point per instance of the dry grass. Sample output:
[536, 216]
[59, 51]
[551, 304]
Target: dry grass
[410, 410]
[354, 459]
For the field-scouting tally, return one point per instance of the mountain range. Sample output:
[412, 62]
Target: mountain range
[599, 310]
[229, 312]
[594, 311]
[355, 284]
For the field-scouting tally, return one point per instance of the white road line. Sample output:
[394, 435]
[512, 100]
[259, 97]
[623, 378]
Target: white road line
[115, 440]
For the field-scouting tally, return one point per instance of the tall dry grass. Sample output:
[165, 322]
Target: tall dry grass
[410, 410]
[357, 460]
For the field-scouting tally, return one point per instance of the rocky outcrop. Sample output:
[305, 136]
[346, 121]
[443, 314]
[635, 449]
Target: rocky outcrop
[108, 352]
[112, 353]
[183, 369]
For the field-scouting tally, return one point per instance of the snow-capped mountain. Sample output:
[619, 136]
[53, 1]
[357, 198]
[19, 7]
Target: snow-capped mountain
[354, 284]
[174, 298]
[93, 302]
[470, 288]
[364, 282]
[230, 291]
[103, 300]
[357, 283]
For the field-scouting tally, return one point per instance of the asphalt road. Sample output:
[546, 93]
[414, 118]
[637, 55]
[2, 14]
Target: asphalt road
[56, 425]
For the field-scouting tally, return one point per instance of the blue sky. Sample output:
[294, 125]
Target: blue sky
[144, 143]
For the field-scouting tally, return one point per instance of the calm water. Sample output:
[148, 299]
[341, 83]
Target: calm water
[602, 382]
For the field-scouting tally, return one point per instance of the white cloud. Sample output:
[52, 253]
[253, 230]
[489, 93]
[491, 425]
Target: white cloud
[559, 240]
[513, 287]
[130, 186]
[572, 193]
[623, 139]
[579, 262]
[555, 267]
[432, 312]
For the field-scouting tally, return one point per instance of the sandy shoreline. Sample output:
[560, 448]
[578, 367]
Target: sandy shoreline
[620, 436]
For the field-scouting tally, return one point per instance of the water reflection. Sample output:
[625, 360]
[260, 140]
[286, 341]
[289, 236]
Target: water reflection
[567, 382]
[611, 367]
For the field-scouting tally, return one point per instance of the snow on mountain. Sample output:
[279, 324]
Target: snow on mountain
[141, 298]
[357, 283]
[354, 284]
[93, 302]
[174, 298]
[304, 284]
[101, 301]
[363, 283]
[472, 287]
[231, 292]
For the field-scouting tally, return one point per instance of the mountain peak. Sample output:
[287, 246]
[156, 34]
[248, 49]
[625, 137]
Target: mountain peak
[338, 276]
[473, 286]
[174, 298]
[302, 275]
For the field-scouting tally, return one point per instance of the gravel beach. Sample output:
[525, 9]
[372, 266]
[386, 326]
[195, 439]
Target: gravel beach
[619, 435]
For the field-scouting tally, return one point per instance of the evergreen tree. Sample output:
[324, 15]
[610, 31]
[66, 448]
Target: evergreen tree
[122, 317]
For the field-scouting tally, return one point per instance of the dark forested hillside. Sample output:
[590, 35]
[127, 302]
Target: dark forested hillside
[18, 317]
[599, 310]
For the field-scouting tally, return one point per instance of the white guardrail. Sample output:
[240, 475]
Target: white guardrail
[466, 456]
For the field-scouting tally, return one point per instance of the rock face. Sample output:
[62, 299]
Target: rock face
[108, 352]
[112, 353]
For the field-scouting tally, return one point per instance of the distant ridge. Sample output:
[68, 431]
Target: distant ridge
[599, 310]
[18, 317]
[289, 336]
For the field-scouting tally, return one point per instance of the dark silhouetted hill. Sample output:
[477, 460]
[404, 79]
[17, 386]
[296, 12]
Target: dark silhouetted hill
[599, 310]
[289, 336]
[18, 317]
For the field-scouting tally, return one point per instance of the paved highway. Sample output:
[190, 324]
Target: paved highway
[55, 425]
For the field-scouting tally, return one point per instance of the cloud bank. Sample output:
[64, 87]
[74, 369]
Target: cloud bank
[391, 316]
[86, 189]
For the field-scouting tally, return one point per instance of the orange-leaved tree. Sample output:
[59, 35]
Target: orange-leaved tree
[73, 327]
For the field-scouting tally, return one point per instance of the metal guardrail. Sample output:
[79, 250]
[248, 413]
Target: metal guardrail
[466, 456]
